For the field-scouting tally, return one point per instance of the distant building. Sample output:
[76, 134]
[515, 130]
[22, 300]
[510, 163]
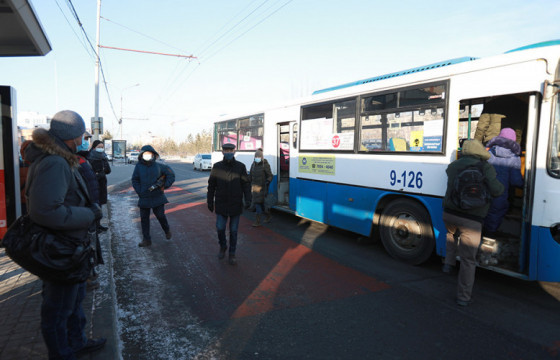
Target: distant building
[30, 120]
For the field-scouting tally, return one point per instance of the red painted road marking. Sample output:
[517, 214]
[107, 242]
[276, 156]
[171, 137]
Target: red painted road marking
[274, 272]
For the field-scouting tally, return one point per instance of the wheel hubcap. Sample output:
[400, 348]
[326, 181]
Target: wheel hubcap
[406, 232]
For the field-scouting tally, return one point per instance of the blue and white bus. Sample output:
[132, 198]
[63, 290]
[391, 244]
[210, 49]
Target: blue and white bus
[370, 156]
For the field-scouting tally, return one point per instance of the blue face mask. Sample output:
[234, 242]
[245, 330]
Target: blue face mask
[258, 160]
[228, 156]
[84, 146]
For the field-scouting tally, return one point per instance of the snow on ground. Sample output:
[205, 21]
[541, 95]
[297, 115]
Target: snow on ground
[151, 322]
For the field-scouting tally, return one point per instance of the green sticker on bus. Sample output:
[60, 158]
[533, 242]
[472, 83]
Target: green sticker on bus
[321, 165]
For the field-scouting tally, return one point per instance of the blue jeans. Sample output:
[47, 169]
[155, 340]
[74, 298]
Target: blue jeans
[159, 212]
[221, 222]
[62, 319]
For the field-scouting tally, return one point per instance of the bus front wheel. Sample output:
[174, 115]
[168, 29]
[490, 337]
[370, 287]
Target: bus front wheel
[406, 231]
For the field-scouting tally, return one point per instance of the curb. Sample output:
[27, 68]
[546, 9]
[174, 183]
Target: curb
[104, 305]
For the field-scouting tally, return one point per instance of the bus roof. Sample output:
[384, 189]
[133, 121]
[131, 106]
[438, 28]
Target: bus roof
[537, 45]
[429, 67]
[398, 73]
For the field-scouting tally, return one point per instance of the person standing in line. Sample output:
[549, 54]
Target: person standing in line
[57, 199]
[92, 184]
[100, 164]
[504, 157]
[260, 177]
[464, 227]
[149, 179]
[228, 184]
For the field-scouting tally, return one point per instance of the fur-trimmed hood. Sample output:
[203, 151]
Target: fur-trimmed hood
[44, 143]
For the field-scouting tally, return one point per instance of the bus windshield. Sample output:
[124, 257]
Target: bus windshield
[554, 151]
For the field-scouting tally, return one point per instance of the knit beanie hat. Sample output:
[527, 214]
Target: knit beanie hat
[95, 143]
[259, 153]
[508, 133]
[67, 125]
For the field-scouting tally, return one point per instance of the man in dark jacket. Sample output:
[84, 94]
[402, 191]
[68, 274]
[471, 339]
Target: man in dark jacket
[227, 185]
[57, 198]
[464, 227]
[149, 179]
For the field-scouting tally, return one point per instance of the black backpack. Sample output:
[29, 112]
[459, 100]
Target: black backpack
[470, 189]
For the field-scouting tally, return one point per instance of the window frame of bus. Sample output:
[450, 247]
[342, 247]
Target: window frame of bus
[236, 130]
[553, 157]
[259, 118]
[332, 103]
[397, 109]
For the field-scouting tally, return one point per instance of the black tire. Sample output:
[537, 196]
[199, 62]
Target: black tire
[406, 231]
[194, 167]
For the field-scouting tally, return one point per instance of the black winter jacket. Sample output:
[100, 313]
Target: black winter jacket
[227, 185]
[145, 175]
[100, 165]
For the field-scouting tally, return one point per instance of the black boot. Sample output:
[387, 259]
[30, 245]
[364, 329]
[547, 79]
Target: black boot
[145, 243]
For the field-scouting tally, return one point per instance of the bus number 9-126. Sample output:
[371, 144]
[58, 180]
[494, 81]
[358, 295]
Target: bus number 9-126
[408, 179]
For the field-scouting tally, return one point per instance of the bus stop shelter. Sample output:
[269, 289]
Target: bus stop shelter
[21, 33]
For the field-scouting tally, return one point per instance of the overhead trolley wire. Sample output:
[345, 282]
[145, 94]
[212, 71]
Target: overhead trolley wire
[73, 10]
[233, 27]
[248, 30]
[179, 80]
[204, 59]
[80, 39]
[139, 33]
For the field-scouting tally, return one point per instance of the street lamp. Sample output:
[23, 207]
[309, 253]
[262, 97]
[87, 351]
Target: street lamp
[121, 119]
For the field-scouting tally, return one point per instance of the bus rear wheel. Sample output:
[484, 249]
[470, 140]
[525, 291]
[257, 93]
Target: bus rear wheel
[406, 231]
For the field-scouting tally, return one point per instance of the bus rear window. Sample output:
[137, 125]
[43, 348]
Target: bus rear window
[245, 133]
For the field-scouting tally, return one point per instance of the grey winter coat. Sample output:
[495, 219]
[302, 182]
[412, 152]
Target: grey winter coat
[57, 197]
[260, 177]
[145, 175]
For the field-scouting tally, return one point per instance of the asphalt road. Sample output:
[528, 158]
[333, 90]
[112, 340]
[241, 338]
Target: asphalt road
[303, 290]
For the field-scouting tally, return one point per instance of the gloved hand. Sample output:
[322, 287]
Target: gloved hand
[97, 212]
[211, 207]
[247, 205]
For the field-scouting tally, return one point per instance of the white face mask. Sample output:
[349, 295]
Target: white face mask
[147, 156]
[99, 149]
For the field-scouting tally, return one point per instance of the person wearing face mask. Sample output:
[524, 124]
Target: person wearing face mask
[58, 199]
[260, 177]
[149, 179]
[92, 184]
[100, 164]
[228, 184]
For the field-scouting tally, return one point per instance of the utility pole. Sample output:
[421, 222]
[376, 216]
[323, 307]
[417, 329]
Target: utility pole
[96, 126]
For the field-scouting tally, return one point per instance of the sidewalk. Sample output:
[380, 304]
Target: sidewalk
[20, 306]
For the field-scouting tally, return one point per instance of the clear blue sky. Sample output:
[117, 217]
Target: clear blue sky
[304, 46]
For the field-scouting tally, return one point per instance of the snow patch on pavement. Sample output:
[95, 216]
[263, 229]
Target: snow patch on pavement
[150, 323]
